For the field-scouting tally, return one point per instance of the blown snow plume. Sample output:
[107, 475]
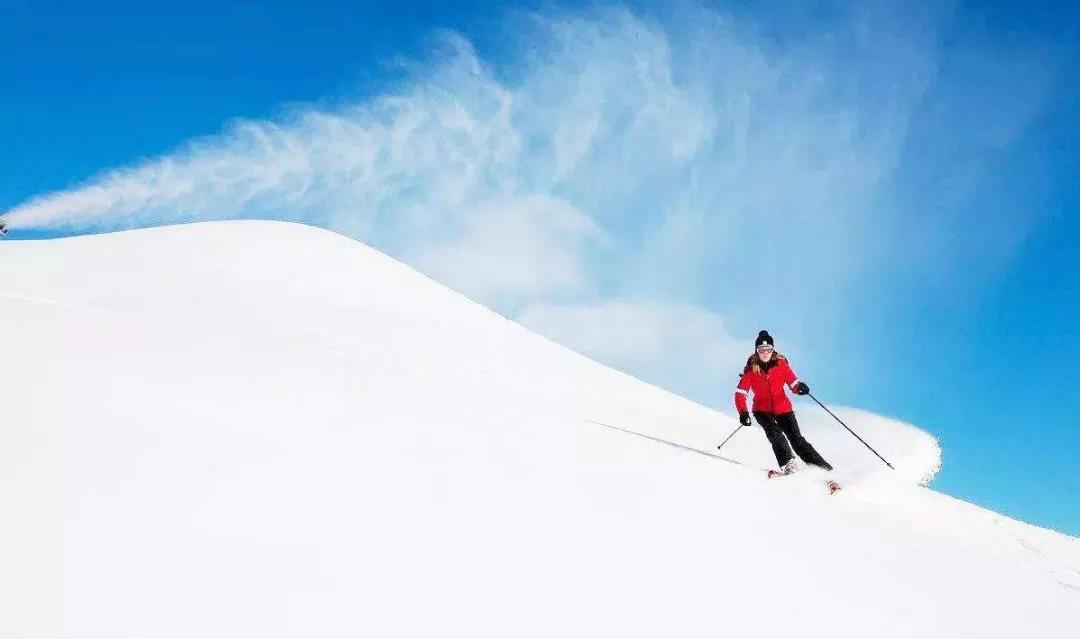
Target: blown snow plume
[649, 141]
[914, 453]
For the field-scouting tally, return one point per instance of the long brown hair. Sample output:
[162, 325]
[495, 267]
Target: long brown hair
[754, 363]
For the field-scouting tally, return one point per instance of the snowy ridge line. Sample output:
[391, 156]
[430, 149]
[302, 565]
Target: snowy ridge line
[660, 440]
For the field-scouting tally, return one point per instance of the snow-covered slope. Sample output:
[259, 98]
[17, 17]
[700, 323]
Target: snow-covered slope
[265, 430]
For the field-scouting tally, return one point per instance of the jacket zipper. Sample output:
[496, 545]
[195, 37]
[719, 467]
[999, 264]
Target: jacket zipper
[768, 384]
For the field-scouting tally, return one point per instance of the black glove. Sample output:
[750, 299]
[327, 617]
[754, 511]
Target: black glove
[801, 389]
[744, 418]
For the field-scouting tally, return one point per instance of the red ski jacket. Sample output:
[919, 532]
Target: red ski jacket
[766, 381]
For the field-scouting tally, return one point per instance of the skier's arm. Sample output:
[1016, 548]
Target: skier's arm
[798, 386]
[741, 392]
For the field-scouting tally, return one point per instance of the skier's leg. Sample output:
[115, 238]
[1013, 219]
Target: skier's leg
[775, 434]
[790, 426]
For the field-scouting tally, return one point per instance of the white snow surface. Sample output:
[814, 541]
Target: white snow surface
[258, 429]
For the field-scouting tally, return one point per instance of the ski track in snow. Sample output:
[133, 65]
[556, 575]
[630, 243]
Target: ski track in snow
[261, 429]
[39, 300]
[674, 444]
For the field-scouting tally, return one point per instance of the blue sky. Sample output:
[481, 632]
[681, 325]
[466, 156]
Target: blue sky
[892, 192]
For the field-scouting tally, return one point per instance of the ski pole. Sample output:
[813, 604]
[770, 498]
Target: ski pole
[851, 431]
[729, 437]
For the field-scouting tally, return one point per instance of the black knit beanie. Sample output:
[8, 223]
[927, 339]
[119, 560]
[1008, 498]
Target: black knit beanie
[763, 338]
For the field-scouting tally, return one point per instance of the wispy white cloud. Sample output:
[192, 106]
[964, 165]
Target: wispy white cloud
[511, 251]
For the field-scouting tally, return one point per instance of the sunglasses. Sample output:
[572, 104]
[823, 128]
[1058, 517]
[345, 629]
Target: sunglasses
[765, 349]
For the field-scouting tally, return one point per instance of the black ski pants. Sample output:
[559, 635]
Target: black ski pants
[780, 429]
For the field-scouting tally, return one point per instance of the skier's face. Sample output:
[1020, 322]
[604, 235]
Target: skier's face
[765, 353]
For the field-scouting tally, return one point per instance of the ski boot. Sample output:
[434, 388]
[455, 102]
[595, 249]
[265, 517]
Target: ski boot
[786, 469]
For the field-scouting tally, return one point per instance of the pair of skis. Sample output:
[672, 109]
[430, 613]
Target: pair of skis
[830, 485]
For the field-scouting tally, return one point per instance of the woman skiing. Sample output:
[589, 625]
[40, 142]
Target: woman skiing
[765, 375]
